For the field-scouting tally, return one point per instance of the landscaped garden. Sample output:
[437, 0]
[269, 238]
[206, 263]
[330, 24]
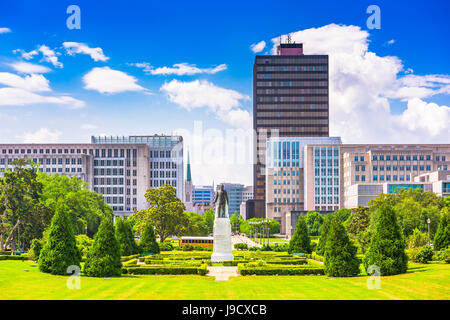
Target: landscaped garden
[69, 236]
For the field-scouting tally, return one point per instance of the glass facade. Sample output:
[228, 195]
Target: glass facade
[326, 178]
[290, 99]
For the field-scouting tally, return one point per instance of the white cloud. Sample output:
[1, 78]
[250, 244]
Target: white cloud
[34, 82]
[258, 47]
[428, 119]
[43, 135]
[29, 68]
[76, 47]
[20, 97]
[362, 85]
[392, 41]
[5, 30]
[50, 56]
[26, 55]
[179, 69]
[106, 80]
[225, 103]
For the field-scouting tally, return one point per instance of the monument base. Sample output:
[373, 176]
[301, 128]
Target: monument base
[222, 248]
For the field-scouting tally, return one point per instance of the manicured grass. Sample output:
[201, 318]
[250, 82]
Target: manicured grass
[430, 281]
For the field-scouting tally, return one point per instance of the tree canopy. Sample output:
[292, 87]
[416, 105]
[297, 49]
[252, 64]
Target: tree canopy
[387, 247]
[313, 221]
[300, 242]
[165, 212]
[60, 251]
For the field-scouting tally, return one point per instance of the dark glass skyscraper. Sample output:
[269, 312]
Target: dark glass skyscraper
[290, 99]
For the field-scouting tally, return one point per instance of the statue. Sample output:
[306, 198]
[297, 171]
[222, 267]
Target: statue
[222, 247]
[221, 203]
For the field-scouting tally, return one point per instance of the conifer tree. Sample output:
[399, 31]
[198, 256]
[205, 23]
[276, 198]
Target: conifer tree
[340, 253]
[442, 236]
[148, 240]
[60, 251]
[300, 242]
[320, 249]
[103, 259]
[125, 237]
[387, 247]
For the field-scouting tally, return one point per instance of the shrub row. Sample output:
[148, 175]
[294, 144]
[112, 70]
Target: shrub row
[279, 270]
[5, 253]
[126, 258]
[10, 257]
[176, 262]
[166, 269]
[314, 256]
[129, 263]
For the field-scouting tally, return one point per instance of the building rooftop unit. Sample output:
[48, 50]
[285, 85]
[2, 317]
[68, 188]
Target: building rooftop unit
[152, 140]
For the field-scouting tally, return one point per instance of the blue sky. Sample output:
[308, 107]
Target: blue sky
[209, 34]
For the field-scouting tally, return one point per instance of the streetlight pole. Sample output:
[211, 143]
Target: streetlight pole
[429, 239]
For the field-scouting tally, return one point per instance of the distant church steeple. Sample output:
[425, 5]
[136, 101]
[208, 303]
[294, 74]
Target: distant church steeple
[188, 174]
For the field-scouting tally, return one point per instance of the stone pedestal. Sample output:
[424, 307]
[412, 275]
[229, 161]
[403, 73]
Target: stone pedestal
[222, 247]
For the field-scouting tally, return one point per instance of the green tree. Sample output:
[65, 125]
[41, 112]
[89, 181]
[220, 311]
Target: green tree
[196, 225]
[22, 217]
[300, 242]
[84, 244]
[148, 242]
[340, 253]
[103, 259]
[358, 221]
[60, 251]
[417, 239]
[235, 222]
[208, 217]
[413, 208]
[387, 248]
[85, 207]
[342, 214]
[125, 237]
[442, 237]
[165, 212]
[320, 249]
[313, 221]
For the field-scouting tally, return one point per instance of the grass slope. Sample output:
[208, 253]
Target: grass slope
[421, 282]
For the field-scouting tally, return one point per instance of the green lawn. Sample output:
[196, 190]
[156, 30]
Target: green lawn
[421, 282]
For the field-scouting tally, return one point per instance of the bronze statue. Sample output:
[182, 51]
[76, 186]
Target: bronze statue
[222, 206]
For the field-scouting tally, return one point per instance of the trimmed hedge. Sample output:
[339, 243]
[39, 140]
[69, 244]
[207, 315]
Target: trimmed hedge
[5, 253]
[132, 262]
[166, 269]
[126, 258]
[11, 257]
[280, 270]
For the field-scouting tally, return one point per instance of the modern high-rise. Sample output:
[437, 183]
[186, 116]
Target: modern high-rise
[286, 173]
[290, 99]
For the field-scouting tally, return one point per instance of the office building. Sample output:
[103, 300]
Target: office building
[165, 158]
[120, 172]
[329, 175]
[290, 99]
[286, 173]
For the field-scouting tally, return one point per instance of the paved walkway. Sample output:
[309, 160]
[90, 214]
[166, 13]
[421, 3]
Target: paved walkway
[243, 239]
[223, 273]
